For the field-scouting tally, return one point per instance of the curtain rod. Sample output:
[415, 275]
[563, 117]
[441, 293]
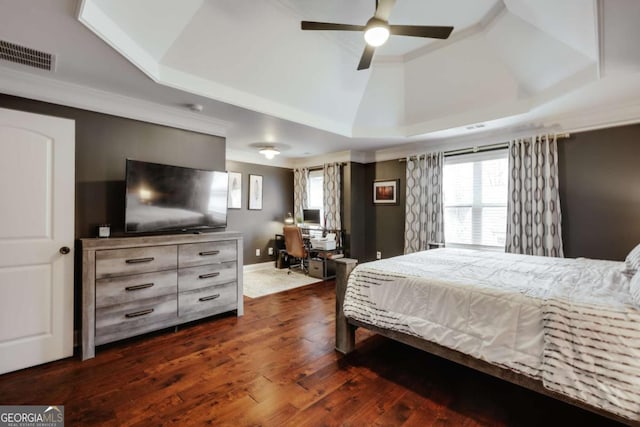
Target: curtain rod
[315, 168]
[478, 149]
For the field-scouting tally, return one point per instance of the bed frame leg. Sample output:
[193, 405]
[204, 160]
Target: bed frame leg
[345, 333]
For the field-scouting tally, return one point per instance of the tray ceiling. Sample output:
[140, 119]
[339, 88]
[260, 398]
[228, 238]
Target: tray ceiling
[503, 59]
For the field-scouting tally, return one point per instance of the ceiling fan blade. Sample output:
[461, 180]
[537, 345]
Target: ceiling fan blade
[310, 25]
[421, 31]
[383, 10]
[367, 56]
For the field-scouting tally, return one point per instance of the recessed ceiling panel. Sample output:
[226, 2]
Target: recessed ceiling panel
[259, 50]
[537, 60]
[456, 79]
[382, 108]
[569, 21]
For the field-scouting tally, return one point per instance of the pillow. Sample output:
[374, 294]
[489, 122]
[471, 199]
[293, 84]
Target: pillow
[632, 263]
[634, 289]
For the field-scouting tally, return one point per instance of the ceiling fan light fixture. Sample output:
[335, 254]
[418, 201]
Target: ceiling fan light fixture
[377, 32]
[269, 152]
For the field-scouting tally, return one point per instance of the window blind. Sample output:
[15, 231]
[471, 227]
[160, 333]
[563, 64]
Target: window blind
[475, 199]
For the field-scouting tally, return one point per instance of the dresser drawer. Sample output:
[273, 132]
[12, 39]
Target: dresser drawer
[194, 254]
[207, 275]
[134, 318]
[122, 262]
[212, 299]
[119, 290]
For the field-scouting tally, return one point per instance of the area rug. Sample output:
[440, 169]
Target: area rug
[269, 280]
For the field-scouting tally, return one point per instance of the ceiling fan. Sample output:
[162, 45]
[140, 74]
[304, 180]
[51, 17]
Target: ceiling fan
[377, 30]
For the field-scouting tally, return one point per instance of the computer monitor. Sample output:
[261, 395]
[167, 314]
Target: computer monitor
[311, 216]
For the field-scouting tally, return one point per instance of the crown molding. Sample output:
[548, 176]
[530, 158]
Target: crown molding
[27, 85]
[602, 117]
[315, 161]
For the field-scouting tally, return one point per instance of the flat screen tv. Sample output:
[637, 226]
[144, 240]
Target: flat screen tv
[164, 198]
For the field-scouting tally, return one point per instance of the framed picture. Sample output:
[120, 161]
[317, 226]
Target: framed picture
[255, 192]
[234, 198]
[386, 192]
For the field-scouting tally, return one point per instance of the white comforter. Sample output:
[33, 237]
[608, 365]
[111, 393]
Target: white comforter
[515, 311]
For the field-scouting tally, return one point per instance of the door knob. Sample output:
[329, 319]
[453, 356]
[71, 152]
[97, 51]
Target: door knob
[64, 250]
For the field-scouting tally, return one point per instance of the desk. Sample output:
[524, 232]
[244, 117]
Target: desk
[311, 232]
[321, 261]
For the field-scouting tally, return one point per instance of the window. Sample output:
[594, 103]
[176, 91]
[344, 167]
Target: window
[475, 199]
[316, 192]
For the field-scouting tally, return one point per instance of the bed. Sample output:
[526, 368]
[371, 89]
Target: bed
[568, 328]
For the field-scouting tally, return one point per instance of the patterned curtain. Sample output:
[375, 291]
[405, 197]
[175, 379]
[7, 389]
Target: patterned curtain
[332, 196]
[300, 192]
[533, 209]
[424, 210]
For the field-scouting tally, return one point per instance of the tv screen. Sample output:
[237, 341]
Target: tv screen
[163, 198]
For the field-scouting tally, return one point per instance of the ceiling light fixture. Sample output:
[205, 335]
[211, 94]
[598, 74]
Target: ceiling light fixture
[269, 152]
[377, 32]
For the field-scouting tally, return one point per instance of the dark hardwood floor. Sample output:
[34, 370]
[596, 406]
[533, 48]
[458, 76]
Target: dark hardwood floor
[276, 366]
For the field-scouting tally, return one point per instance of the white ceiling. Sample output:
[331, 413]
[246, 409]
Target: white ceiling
[510, 66]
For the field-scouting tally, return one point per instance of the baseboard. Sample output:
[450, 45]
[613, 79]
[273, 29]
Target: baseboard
[259, 266]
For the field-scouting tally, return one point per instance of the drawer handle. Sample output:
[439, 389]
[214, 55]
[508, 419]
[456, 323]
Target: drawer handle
[208, 276]
[139, 313]
[138, 287]
[207, 253]
[209, 298]
[139, 260]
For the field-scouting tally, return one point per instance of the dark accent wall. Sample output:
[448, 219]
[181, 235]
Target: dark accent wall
[384, 223]
[370, 228]
[103, 142]
[259, 227]
[355, 209]
[600, 192]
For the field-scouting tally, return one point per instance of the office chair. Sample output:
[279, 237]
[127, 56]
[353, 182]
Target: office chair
[294, 244]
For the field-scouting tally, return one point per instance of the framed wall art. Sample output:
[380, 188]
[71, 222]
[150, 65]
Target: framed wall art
[385, 192]
[234, 197]
[255, 192]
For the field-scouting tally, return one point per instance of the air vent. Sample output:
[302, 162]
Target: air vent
[26, 56]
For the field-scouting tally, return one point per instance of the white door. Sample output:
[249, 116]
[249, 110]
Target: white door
[37, 170]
